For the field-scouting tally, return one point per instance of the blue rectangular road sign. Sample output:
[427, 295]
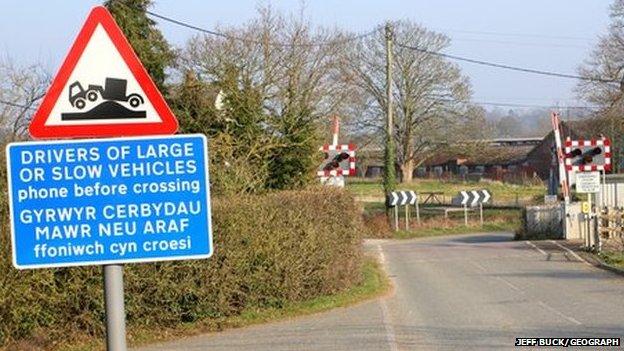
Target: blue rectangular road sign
[106, 201]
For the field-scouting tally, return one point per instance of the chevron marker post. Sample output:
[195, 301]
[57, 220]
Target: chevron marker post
[472, 198]
[403, 198]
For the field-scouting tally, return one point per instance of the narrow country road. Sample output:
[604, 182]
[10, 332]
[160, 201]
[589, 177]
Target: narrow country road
[476, 292]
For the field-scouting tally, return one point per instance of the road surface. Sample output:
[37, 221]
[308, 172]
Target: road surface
[459, 292]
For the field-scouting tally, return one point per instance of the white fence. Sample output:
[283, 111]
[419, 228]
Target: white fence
[613, 194]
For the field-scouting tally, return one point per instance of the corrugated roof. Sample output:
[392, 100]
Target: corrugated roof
[483, 156]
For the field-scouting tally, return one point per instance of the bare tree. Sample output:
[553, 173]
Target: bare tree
[21, 88]
[291, 84]
[606, 63]
[431, 95]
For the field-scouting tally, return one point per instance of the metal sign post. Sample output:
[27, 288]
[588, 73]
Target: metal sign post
[115, 309]
[396, 217]
[472, 198]
[603, 208]
[406, 217]
[589, 183]
[179, 216]
[402, 198]
[481, 212]
[600, 208]
[91, 188]
[589, 218]
[417, 212]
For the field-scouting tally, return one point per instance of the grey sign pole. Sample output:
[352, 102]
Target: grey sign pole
[417, 212]
[396, 217]
[603, 208]
[406, 217]
[115, 310]
[481, 212]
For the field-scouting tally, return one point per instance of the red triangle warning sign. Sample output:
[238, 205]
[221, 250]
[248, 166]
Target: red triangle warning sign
[102, 89]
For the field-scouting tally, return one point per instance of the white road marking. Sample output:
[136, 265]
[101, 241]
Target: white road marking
[382, 256]
[480, 267]
[390, 336]
[509, 284]
[574, 254]
[505, 281]
[462, 259]
[385, 314]
[536, 248]
[561, 314]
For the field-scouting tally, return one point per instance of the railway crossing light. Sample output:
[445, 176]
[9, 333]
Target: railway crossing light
[335, 161]
[588, 155]
[339, 160]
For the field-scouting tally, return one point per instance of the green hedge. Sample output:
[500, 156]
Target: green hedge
[269, 250]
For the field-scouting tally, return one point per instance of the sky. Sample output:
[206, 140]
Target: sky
[552, 35]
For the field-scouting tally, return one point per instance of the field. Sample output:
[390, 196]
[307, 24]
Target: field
[504, 217]
[507, 219]
[502, 193]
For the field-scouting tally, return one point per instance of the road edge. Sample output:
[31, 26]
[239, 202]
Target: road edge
[353, 296]
[591, 258]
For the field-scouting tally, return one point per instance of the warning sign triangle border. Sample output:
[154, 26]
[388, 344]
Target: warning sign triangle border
[100, 16]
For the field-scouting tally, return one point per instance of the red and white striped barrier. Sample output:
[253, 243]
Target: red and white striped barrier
[563, 176]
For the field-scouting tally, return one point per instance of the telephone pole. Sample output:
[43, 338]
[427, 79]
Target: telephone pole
[389, 156]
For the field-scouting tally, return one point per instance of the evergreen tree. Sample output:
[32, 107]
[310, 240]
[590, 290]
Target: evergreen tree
[145, 38]
[293, 164]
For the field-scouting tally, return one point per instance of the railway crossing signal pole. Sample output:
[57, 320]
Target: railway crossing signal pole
[589, 219]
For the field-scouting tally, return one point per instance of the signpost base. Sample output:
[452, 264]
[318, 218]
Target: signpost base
[417, 212]
[481, 213]
[115, 310]
[406, 217]
[396, 217]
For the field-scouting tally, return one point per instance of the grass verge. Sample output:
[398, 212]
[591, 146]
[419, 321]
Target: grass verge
[378, 225]
[457, 229]
[374, 283]
[615, 259]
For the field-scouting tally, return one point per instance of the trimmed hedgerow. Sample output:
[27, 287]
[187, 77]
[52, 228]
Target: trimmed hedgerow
[269, 250]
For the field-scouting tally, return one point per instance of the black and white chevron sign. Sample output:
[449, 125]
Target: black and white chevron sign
[400, 198]
[472, 198]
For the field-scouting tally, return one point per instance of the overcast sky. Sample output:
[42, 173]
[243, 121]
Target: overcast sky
[554, 35]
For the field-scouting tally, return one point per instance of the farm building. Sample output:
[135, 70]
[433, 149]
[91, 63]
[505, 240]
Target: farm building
[499, 159]
[505, 159]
